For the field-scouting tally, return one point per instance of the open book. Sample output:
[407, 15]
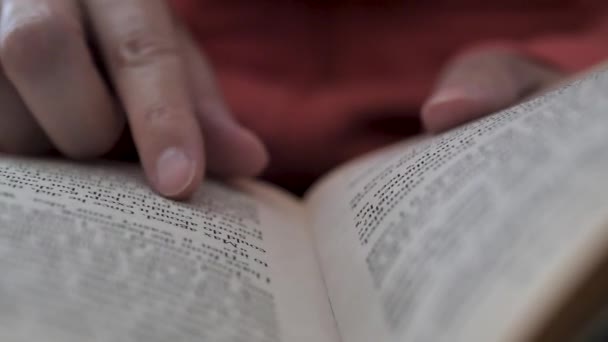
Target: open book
[496, 231]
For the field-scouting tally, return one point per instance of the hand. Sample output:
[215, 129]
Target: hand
[54, 95]
[482, 82]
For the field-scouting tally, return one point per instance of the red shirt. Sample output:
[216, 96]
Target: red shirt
[326, 80]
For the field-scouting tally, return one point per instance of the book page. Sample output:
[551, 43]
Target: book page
[89, 253]
[474, 235]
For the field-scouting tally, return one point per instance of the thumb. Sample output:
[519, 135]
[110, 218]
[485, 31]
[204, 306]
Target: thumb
[481, 82]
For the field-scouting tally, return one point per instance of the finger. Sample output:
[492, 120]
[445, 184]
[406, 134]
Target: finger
[231, 150]
[44, 54]
[140, 48]
[480, 83]
[19, 132]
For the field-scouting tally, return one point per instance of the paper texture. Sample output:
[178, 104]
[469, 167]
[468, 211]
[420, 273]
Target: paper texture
[90, 253]
[475, 234]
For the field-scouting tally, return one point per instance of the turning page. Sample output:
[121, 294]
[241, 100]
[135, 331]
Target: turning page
[474, 235]
[90, 253]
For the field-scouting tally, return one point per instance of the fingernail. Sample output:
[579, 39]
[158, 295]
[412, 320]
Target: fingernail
[175, 172]
[448, 95]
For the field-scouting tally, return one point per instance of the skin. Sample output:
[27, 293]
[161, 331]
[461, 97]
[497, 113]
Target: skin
[481, 82]
[77, 73]
[54, 95]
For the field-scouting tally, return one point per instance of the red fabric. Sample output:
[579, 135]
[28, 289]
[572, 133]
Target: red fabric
[326, 80]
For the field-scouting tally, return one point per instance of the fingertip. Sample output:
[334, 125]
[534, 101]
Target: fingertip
[177, 174]
[244, 155]
[255, 157]
[449, 108]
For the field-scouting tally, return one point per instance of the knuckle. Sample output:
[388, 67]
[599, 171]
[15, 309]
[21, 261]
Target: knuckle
[30, 45]
[143, 47]
[163, 118]
[159, 115]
